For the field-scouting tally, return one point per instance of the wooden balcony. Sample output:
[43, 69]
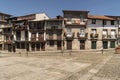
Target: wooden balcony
[82, 36]
[8, 42]
[33, 39]
[41, 39]
[36, 30]
[59, 37]
[53, 28]
[21, 28]
[94, 36]
[77, 22]
[69, 36]
[113, 37]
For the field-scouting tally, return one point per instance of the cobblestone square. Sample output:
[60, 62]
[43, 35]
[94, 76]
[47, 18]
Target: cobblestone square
[79, 66]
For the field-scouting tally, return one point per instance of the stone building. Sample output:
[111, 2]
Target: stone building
[75, 29]
[5, 31]
[55, 33]
[102, 32]
[27, 31]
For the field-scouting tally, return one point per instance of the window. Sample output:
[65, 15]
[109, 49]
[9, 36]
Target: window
[69, 31]
[33, 35]
[82, 31]
[18, 35]
[112, 22]
[112, 33]
[104, 32]
[93, 21]
[94, 31]
[104, 22]
[81, 18]
[68, 18]
[51, 43]
[0, 17]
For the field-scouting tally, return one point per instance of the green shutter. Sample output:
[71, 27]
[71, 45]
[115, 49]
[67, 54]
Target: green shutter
[112, 44]
[93, 45]
[105, 44]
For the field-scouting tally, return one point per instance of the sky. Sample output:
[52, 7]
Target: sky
[54, 7]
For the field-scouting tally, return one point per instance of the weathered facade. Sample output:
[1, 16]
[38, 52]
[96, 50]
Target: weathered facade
[76, 30]
[5, 31]
[54, 33]
[102, 32]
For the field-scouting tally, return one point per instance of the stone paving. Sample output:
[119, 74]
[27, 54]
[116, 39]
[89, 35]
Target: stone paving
[64, 67]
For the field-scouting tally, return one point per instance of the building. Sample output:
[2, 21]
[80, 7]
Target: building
[55, 33]
[5, 31]
[37, 37]
[75, 29]
[26, 31]
[102, 32]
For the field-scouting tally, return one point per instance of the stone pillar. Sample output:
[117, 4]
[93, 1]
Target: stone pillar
[76, 44]
[99, 44]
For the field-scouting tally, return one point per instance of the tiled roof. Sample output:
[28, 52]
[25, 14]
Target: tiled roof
[100, 17]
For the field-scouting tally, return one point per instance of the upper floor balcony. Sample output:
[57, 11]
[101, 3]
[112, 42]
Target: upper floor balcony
[109, 37]
[8, 41]
[54, 37]
[82, 35]
[94, 36]
[21, 27]
[69, 35]
[37, 30]
[54, 28]
[21, 39]
[7, 33]
[76, 22]
[6, 26]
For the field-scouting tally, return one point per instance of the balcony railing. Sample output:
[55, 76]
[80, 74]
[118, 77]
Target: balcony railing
[104, 36]
[109, 37]
[18, 38]
[82, 35]
[77, 22]
[8, 41]
[40, 39]
[113, 36]
[33, 39]
[59, 37]
[54, 28]
[24, 27]
[94, 36]
[69, 35]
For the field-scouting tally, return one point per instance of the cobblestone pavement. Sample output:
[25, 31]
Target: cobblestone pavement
[67, 67]
[110, 71]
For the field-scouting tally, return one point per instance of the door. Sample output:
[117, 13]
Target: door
[82, 44]
[27, 47]
[93, 45]
[43, 46]
[33, 47]
[14, 50]
[69, 45]
[59, 45]
[0, 46]
[38, 47]
[105, 44]
[112, 44]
